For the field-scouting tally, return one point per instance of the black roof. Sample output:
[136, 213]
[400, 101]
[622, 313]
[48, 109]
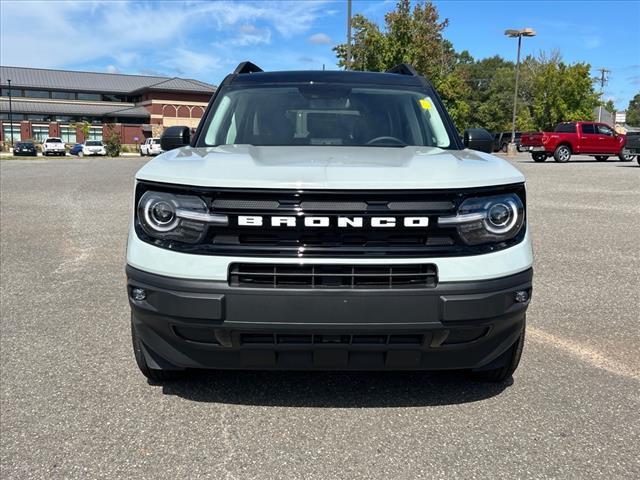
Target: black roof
[325, 76]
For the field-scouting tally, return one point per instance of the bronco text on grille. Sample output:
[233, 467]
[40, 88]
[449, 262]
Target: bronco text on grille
[328, 220]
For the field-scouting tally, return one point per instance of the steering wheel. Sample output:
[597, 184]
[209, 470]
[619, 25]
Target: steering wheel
[379, 139]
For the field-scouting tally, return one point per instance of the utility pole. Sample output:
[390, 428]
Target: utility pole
[10, 116]
[348, 62]
[603, 80]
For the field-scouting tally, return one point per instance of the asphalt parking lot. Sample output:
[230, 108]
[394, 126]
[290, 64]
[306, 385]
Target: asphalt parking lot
[73, 404]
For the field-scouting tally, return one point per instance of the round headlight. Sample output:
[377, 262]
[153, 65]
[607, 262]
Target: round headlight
[159, 214]
[501, 217]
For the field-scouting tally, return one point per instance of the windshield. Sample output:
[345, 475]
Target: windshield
[308, 114]
[94, 143]
[53, 140]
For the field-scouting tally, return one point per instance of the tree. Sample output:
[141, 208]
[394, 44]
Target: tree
[558, 92]
[633, 111]
[609, 106]
[412, 36]
[84, 126]
[112, 142]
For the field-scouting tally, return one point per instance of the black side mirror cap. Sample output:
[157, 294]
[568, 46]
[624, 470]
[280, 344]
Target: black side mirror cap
[478, 139]
[175, 137]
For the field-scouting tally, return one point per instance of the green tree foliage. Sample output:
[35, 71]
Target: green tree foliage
[633, 111]
[112, 142]
[412, 36]
[609, 106]
[476, 93]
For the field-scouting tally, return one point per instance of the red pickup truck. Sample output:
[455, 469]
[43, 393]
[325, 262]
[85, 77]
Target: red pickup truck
[585, 138]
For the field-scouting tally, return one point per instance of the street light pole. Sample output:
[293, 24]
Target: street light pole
[525, 32]
[348, 62]
[10, 116]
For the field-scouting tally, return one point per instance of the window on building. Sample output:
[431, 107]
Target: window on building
[39, 132]
[14, 92]
[65, 118]
[63, 95]
[132, 120]
[91, 97]
[9, 133]
[37, 93]
[95, 133]
[68, 134]
[39, 118]
[110, 97]
[15, 117]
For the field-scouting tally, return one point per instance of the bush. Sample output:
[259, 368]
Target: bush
[112, 142]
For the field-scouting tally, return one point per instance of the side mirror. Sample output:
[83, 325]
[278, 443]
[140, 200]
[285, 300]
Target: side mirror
[478, 139]
[175, 137]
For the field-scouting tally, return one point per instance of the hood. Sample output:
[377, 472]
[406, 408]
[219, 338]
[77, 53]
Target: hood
[325, 167]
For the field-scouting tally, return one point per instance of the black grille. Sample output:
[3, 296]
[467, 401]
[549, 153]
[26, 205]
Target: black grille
[333, 276]
[366, 241]
[330, 339]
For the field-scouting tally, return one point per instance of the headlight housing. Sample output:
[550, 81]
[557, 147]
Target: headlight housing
[487, 219]
[168, 216]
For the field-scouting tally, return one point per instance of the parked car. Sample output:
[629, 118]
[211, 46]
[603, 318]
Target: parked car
[25, 149]
[501, 141]
[53, 146]
[340, 224]
[76, 149]
[575, 138]
[151, 146]
[632, 145]
[93, 147]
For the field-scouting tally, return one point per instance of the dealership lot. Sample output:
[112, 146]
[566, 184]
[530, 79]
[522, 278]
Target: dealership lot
[73, 404]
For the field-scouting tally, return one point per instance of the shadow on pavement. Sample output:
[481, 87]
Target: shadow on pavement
[332, 389]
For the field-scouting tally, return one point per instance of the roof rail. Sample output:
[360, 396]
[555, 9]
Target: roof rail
[247, 67]
[403, 69]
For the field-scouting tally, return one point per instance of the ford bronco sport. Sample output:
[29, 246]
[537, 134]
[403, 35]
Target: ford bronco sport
[328, 220]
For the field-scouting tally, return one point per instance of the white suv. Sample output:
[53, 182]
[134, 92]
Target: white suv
[53, 146]
[332, 221]
[151, 146]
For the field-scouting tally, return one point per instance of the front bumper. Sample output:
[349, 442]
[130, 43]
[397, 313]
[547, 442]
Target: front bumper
[208, 324]
[534, 149]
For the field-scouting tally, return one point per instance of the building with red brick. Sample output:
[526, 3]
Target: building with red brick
[57, 103]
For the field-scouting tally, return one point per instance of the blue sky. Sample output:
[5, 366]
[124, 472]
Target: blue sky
[205, 40]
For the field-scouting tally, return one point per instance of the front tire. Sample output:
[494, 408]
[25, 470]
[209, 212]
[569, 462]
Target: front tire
[601, 158]
[504, 148]
[539, 157]
[562, 154]
[153, 374]
[511, 361]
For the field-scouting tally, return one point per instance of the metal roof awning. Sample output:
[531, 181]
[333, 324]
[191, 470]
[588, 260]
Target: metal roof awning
[76, 108]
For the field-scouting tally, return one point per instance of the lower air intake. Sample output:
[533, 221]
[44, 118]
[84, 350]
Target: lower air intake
[333, 276]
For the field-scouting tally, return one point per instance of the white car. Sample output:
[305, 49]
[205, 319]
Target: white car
[328, 220]
[151, 146]
[93, 147]
[53, 146]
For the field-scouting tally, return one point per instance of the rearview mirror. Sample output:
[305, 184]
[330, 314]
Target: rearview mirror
[478, 139]
[175, 137]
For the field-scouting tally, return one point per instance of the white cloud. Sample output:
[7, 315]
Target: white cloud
[131, 36]
[320, 39]
[112, 69]
[252, 35]
[185, 61]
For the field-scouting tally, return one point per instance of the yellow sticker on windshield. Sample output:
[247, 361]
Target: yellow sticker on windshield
[425, 104]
